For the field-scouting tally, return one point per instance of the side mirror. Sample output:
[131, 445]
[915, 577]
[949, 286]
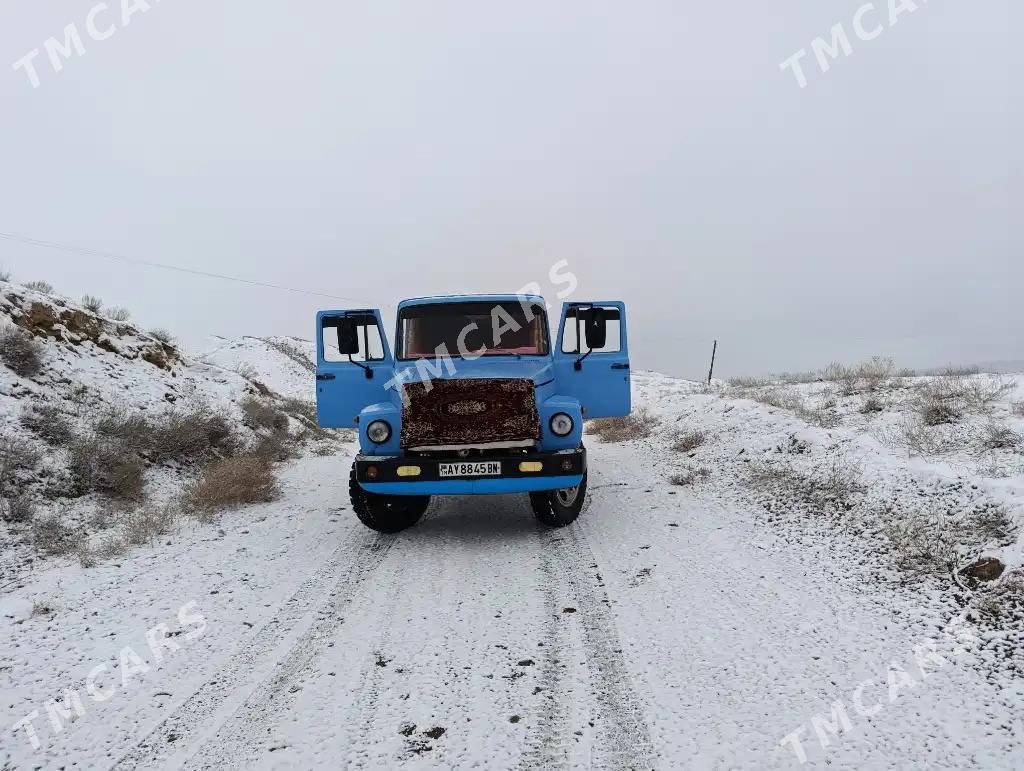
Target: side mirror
[348, 336]
[595, 326]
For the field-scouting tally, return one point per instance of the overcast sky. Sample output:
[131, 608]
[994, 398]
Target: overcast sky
[379, 150]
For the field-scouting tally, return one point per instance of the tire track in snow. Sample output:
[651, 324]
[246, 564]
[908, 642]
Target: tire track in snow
[245, 731]
[548, 746]
[354, 560]
[621, 738]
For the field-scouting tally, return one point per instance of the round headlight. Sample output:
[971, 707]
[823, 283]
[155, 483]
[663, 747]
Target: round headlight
[561, 424]
[378, 431]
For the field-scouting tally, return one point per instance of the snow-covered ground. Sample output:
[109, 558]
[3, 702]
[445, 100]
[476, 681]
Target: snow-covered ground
[713, 625]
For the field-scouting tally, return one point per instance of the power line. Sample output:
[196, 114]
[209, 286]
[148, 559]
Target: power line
[165, 266]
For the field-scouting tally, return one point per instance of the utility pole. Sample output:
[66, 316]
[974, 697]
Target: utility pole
[711, 371]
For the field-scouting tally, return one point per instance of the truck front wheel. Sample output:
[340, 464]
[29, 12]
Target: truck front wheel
[558, 508]
[385, 513]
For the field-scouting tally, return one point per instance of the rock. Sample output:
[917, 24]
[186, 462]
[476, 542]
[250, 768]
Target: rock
[984, 569]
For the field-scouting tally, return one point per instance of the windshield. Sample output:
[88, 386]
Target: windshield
[472, 329]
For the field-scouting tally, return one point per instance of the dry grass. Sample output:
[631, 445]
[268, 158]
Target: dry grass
[1018, 409]
[921, 545]
[162, 335]
[110, 547]
[998, 437]
[92, 303]
[835, 484]
[52, 536]
[18, 464]
[689, 441]
[21, 352]
[232, 482]
[871, 405]
[261, 415]
[99, 464]
[637, 425]
[43, 287]
[689, 477]
[49, 423]
[933, 541]
[147, 523]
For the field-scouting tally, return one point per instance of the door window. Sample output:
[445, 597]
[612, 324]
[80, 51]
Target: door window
[371, 345]
[573, 326]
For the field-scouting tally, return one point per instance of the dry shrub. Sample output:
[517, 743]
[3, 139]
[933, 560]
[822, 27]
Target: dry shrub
[302, 410]
[638, 424]
[749, 382]
[781, 398]
[832, 485]
[689, 441]
[108, 548]
[17, 509]
[785, 398]
[946, 397]
[1018, 409]
[52, 536]
[246, 370]
[871, 405]
[823, 415]
[21, 352]
[146, 523]
[867, 377]
[875, 373]
[687, 478]
[192, 435]
[5, 275]
[43, 287]
[92, 303]
[922, 545]
[997, 437]
[119, 314]
[49, 423]
[931, 541]
[178, 435]
[232, 482]
[97, 463]
[18, 463]
[162, 335]
[276, 447]
[1004, 600]
[912, 433]
[260, 415]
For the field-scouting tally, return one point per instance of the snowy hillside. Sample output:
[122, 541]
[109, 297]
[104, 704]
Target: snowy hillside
[111, 419]
[286, 364]
[767, 572]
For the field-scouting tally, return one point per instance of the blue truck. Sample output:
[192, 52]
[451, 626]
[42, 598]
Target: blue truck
[476, 399]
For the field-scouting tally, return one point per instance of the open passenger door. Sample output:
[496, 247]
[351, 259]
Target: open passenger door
[592, 357]
[353, 364]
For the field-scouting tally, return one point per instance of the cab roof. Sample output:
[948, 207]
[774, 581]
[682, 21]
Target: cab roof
[464, 298]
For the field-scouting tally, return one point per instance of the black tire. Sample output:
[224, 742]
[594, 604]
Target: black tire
[385, 513]
[558, 508]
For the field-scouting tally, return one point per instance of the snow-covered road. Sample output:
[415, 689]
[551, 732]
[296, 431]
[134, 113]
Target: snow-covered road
[663, 630]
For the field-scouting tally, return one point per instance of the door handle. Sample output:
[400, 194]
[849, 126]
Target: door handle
[621, 366]
[325, 376]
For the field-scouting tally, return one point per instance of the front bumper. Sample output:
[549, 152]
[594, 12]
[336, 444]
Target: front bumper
[560, 469]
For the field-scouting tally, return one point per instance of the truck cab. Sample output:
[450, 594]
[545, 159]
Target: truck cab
[476, 398]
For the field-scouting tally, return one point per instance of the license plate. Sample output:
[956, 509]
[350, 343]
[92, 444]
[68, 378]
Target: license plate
[484, 468]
